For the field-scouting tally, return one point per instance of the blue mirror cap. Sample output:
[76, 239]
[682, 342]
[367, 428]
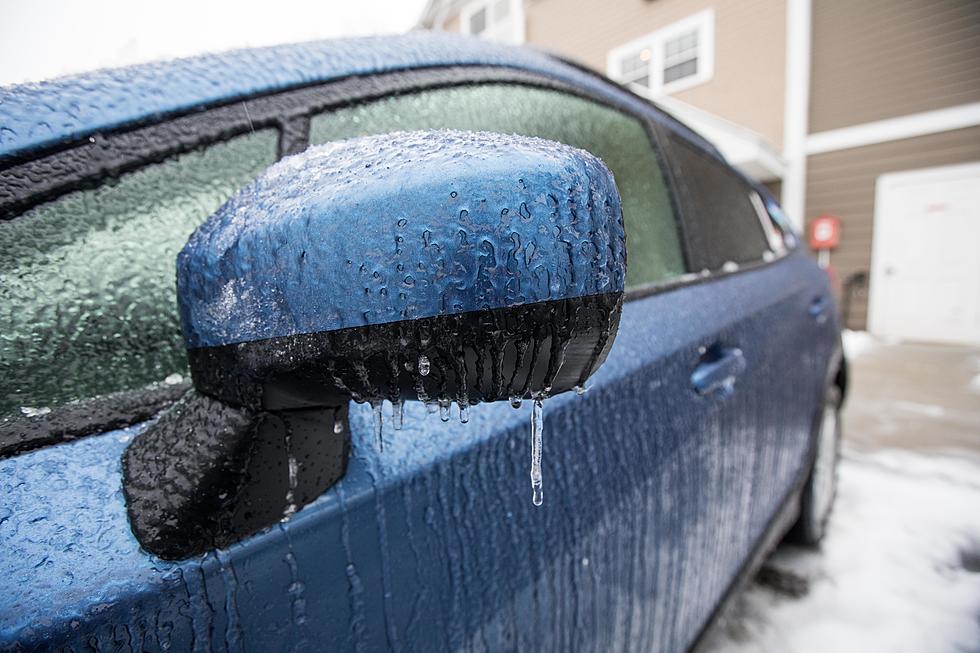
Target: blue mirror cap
[399, 227]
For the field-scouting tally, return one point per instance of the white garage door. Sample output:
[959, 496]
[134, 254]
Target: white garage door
[925, 267]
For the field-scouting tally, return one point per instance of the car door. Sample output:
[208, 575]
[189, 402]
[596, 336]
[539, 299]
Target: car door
[659, 480]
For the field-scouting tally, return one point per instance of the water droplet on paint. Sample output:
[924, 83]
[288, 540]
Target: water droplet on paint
[537, 426]
[423, 365]
[580, 390]
[338, 427]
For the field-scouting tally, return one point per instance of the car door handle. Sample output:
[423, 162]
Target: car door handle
[818, 308]
[717, 371]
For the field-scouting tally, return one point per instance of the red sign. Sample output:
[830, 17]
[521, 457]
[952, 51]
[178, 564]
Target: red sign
[825, 232]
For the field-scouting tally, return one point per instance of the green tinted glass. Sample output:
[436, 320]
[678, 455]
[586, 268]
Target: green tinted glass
[87, 297]
[619, 140]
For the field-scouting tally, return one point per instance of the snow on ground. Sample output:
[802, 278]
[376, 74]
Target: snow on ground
[899, 570]
[858, 342]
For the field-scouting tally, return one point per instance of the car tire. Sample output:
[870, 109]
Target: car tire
[817, 499]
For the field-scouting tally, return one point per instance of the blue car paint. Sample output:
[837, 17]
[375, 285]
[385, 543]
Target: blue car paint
[654, 497]
[444, 222]
[47, 113]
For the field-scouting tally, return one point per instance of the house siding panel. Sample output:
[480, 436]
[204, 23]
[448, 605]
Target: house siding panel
[842, 183]
[748, 85]
[879, 59]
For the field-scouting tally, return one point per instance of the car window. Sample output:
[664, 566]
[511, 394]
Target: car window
[87, 294]
[721, 221]
[621, 141]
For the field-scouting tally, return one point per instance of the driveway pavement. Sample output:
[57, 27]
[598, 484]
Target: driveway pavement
[914, 396]
[899, 569]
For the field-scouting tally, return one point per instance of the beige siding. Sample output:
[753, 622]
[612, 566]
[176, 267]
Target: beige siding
[451, 24]
[748, 83]
[750, 48]
[878, 59]
[843, 184]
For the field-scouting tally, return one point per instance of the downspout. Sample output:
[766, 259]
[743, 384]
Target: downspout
[796, 108]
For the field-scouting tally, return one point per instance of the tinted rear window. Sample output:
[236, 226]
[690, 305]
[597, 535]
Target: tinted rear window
[722, 224]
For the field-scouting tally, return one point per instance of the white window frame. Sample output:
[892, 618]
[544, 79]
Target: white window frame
[702, 22]
[508, 30]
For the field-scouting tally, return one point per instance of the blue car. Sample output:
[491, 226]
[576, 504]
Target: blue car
[414, 343]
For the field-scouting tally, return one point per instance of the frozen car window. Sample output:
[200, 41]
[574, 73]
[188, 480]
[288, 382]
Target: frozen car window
[87, 280]
[721, 221]
[619, 140]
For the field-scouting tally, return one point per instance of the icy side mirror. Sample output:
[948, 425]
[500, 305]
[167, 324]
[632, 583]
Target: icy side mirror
[440, 266]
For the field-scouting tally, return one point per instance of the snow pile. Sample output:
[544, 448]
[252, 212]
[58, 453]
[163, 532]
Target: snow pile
[857, 343]
[899, 570]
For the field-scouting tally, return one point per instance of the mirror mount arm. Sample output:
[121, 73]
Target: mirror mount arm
[206, 473]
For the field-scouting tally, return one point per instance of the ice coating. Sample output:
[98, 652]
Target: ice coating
[43, 114]
[400, 227]
[654, 501]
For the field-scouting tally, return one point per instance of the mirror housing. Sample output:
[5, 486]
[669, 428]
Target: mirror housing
[439, 266]
[338, 270]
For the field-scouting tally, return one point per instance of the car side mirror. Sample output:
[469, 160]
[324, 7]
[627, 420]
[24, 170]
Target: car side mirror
[441, 266]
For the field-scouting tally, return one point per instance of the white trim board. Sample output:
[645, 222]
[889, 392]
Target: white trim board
[795, 112]
[702, 21]
[893, 129]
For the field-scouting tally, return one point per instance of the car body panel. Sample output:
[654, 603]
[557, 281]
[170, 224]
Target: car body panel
[654, 498]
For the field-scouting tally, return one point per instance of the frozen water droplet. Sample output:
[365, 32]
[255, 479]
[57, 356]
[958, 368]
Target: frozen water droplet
[537, 426]
[338, 427]
[464, 413]
[174, 379]
[431, 406]
[30, 411]
[580, 390]
[378, 424]
[424, 365]
[398, 414]
[293, 472]
[515, 402]
[444, 410]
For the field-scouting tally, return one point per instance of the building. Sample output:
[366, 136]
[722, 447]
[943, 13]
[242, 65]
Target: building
[868, 111]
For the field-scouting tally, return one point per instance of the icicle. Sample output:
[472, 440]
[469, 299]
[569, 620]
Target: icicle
[378, 424]
[424, 365]
[398, 414]
[464, 413]
[292, 468]
[580, 390]
[444, 410]
[537, 426]
[515, 402]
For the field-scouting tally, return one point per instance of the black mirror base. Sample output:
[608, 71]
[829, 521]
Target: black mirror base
[207, 474]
